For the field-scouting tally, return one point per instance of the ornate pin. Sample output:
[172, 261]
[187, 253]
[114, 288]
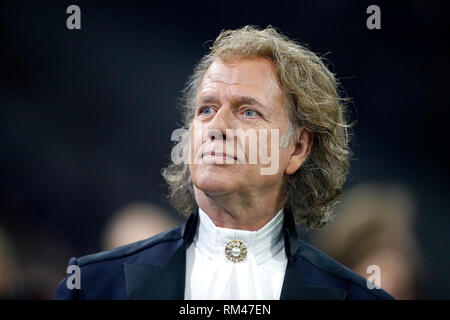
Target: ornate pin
[235, 250]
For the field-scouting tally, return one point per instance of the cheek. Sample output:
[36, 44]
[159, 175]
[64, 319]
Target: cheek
[192, 170]
[284, 159]
[196, 137]
[280, 156]
[200, 174]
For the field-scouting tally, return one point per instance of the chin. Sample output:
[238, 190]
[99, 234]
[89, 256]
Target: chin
[213, 181]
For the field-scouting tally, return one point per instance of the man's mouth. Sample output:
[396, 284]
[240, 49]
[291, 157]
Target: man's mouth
[219, 155]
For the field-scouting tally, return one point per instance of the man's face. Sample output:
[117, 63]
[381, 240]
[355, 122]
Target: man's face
[238, 94]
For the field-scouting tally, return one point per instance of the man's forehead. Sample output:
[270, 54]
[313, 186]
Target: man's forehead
[256, 72]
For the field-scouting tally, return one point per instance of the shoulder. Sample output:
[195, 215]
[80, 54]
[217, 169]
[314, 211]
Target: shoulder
[322, 270]
[164, 239]
[101, 275]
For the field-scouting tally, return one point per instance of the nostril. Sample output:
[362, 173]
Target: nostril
[214, 134]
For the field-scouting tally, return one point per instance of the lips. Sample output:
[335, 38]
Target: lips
[219, 155]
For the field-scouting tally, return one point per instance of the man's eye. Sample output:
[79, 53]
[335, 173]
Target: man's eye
[206, 111]
[250, 113]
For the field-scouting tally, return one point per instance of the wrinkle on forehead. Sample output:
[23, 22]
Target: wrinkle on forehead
[242, 71]
[258, 73]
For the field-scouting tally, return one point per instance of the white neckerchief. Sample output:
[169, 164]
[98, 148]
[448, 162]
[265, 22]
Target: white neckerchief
[210, 275]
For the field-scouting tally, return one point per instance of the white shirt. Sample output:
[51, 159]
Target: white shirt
[211, 275]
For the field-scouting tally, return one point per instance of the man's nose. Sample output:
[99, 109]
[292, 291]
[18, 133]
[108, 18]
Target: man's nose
[223, 120]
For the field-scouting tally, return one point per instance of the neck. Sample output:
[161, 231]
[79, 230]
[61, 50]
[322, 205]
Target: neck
[242, 212]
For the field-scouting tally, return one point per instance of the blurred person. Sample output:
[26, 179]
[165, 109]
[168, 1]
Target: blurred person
[136, 222]
[30, 263]
[240, 240]
[39, 254]
[374, 226]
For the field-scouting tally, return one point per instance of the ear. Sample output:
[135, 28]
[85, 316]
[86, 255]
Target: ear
[301, 150]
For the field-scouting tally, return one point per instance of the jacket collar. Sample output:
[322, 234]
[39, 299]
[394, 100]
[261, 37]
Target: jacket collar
[150, 282]
[295, 286]
[147, 281]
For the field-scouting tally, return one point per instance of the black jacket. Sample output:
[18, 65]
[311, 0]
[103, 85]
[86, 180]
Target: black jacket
[155, 269]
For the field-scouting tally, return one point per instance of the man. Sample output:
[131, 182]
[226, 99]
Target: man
[256, 91]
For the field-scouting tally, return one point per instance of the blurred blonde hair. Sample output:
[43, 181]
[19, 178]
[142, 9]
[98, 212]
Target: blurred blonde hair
[372, 216]
[313, 101]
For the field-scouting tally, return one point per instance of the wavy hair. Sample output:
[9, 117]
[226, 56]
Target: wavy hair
[314, 102]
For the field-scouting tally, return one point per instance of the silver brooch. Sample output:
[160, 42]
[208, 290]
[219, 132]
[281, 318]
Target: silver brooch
[235, 250]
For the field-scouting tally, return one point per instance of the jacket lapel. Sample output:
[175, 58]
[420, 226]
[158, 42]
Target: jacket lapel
[167, 282]
[147, 282]
[294, 285]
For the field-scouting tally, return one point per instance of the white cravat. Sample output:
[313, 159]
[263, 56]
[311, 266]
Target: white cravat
[211, 275]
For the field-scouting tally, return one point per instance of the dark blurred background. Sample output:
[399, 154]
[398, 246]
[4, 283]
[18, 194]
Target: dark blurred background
[86, 115]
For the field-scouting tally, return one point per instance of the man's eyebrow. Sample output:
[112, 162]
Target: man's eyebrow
[236, 101]
[248, 100]
[207, 99]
